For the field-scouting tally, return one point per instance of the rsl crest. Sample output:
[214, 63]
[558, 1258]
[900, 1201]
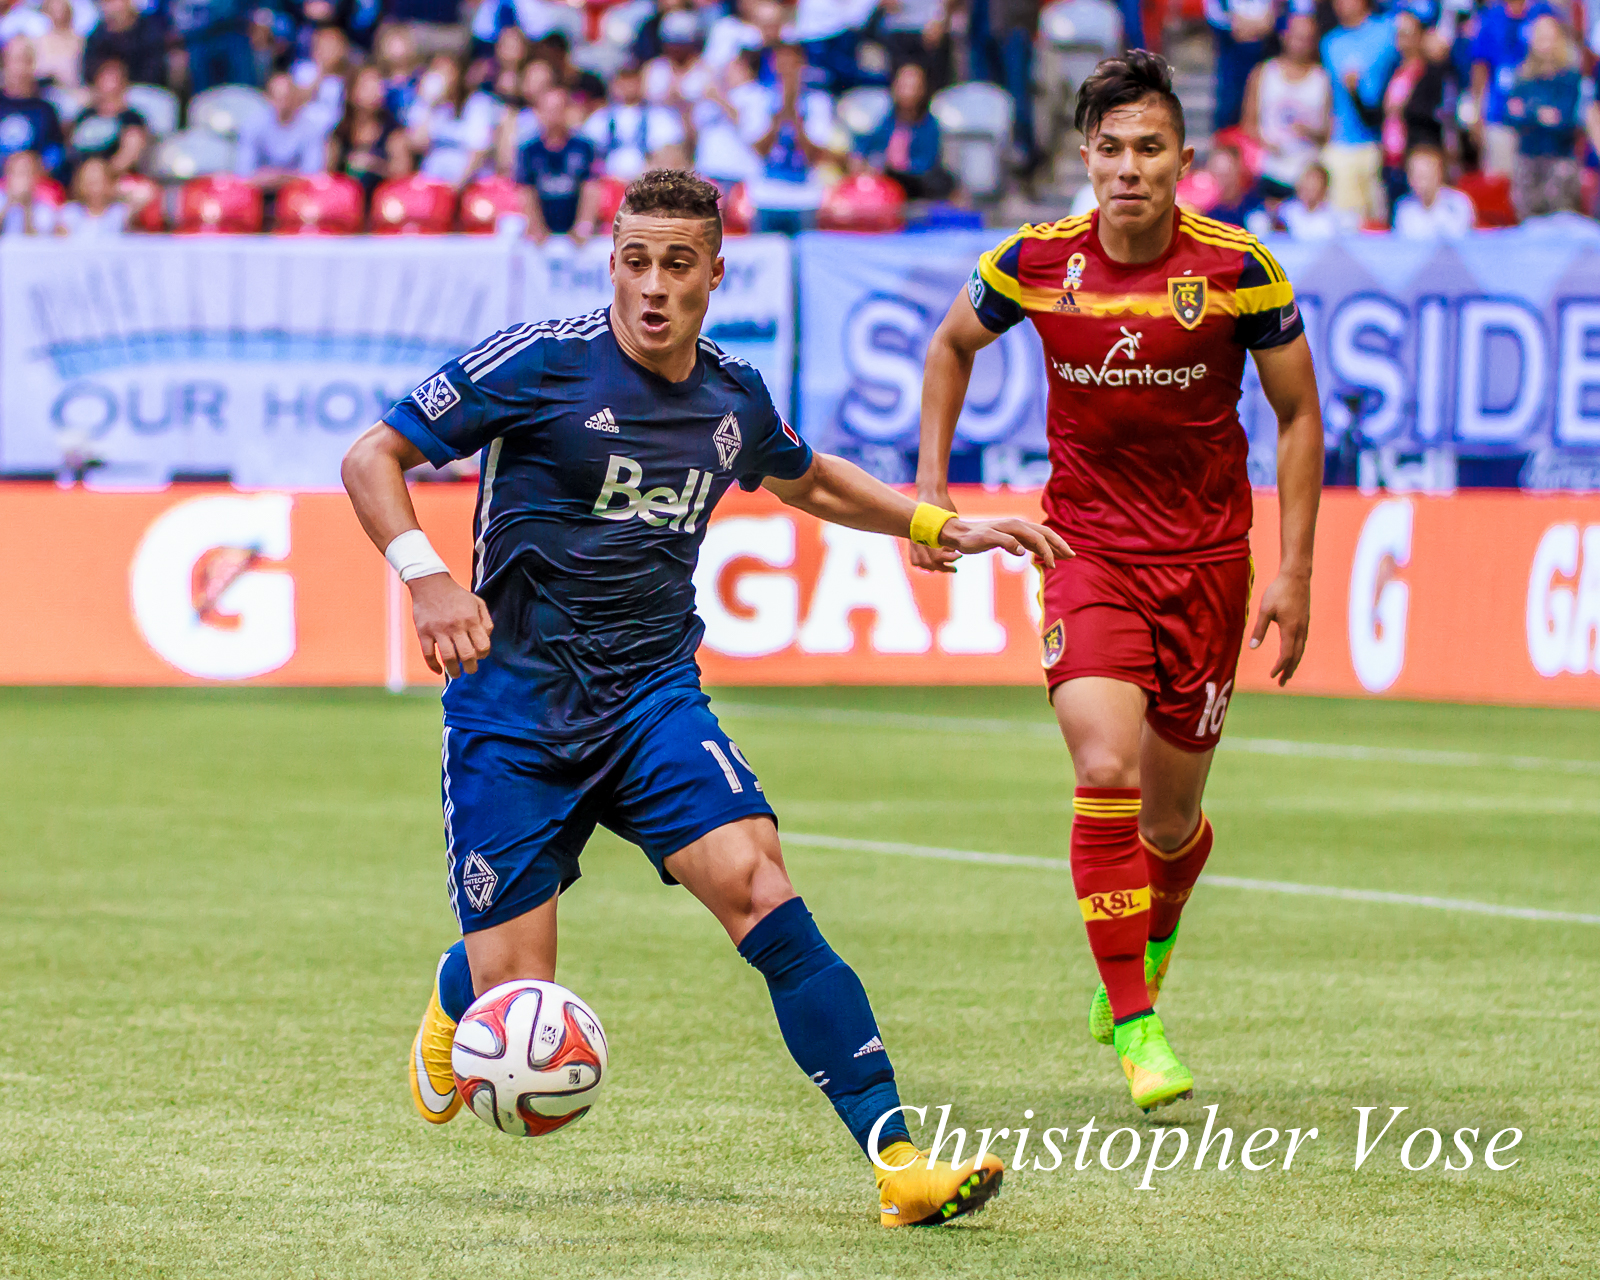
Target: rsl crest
[1188, 296]
[1052, 644]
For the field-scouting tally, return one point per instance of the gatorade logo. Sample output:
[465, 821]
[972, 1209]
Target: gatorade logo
[1116, 904]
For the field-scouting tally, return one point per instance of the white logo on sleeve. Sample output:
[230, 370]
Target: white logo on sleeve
[728, 441]
[436, 397]
[874, 1045]
[605, 421]
[479, 880]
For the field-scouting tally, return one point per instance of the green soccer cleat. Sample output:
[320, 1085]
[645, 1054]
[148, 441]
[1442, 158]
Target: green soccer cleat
[1157, 956]
[1155, 1076]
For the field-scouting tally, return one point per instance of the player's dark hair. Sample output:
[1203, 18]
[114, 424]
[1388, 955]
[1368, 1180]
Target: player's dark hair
[673, 193]
[1120, 82]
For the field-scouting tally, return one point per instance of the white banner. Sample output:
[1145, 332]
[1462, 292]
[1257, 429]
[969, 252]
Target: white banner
[262, 358]
[751, 315]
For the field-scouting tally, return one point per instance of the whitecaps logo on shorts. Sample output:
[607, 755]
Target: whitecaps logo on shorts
[479, 881]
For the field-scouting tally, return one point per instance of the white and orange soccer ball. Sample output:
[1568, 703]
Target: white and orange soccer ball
[529, 1057]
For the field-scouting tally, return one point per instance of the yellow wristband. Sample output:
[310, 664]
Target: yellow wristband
[927, 521]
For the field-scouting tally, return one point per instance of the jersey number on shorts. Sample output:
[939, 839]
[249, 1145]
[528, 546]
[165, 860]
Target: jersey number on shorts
[728, 771]
[1216, 708]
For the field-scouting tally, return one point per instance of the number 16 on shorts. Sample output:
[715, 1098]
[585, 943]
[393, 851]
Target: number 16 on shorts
[1216, 709]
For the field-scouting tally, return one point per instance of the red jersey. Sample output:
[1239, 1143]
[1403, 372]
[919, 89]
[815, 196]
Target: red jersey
[1145, 363]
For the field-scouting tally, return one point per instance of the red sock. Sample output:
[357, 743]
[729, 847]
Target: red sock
[1172, 876]
[1108, 872]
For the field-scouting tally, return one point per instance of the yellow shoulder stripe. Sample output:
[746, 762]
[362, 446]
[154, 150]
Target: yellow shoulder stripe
[1059, 230]
[1216, 228]
[1233, 235]
[1265, 258]
[991, 274]
[1263, 297]
[1275, 273]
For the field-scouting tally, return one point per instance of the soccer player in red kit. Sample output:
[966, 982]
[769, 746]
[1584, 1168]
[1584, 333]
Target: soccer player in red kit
[1146, 312]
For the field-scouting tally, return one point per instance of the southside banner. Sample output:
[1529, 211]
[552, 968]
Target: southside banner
[1482, 347]
[1480, 598]
[261, 358]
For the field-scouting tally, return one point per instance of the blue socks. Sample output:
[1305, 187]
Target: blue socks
[455, 982]
[826, 1021]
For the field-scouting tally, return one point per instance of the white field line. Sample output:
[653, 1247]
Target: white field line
[1251, 746]
[808, 840]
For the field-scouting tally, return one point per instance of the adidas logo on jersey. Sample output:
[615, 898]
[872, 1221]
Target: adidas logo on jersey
[662, 505]
[874, 1045]
[603, 421]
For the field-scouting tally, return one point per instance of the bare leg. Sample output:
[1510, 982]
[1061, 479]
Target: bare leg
[1172, 782]
[737, 871]
[1102, 720]
[520, 948]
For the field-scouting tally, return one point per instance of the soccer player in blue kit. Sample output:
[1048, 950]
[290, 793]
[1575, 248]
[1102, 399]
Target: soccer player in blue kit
[607, 441]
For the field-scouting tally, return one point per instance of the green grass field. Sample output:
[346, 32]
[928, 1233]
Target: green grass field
[219, 913]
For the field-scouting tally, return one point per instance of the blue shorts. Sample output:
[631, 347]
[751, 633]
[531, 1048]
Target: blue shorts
[517, 813]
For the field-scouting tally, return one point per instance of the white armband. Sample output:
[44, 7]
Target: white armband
[413, 556]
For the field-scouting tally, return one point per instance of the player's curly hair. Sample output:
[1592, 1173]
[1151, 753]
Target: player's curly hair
[1119, 82]
[672, 193]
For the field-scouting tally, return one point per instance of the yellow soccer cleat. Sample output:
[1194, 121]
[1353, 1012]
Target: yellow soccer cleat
[1155, 1076]
[433, 1083]
[917, 1196]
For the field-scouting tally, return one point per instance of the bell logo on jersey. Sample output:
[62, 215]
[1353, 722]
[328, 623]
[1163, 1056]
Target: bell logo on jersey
[436, 397]
[1188, 296]
[662, 505]
[728, 441]
[1131, 375]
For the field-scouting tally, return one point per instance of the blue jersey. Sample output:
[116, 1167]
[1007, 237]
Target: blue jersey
[597, 481]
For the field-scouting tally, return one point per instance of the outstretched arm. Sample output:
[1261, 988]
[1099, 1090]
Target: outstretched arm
[842, 493]
[448, 617]
[1290, 384]
[946, 373]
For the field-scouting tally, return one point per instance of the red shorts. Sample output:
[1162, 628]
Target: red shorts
[1174, 630]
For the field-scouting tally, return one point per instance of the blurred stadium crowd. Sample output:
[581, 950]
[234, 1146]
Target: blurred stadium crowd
[1313, 117]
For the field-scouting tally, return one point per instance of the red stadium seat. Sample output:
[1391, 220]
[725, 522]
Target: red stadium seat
[1198, 191]
[145, 200]
[415, 206]
[219, 203]
[323, 204]
[1250, 151]
[738, 215]
[483, 202]
[611, 192]
[863, 202]
[1490, 194]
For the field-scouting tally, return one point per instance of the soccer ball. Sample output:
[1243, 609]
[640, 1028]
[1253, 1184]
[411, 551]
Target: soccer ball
[529, 1057]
